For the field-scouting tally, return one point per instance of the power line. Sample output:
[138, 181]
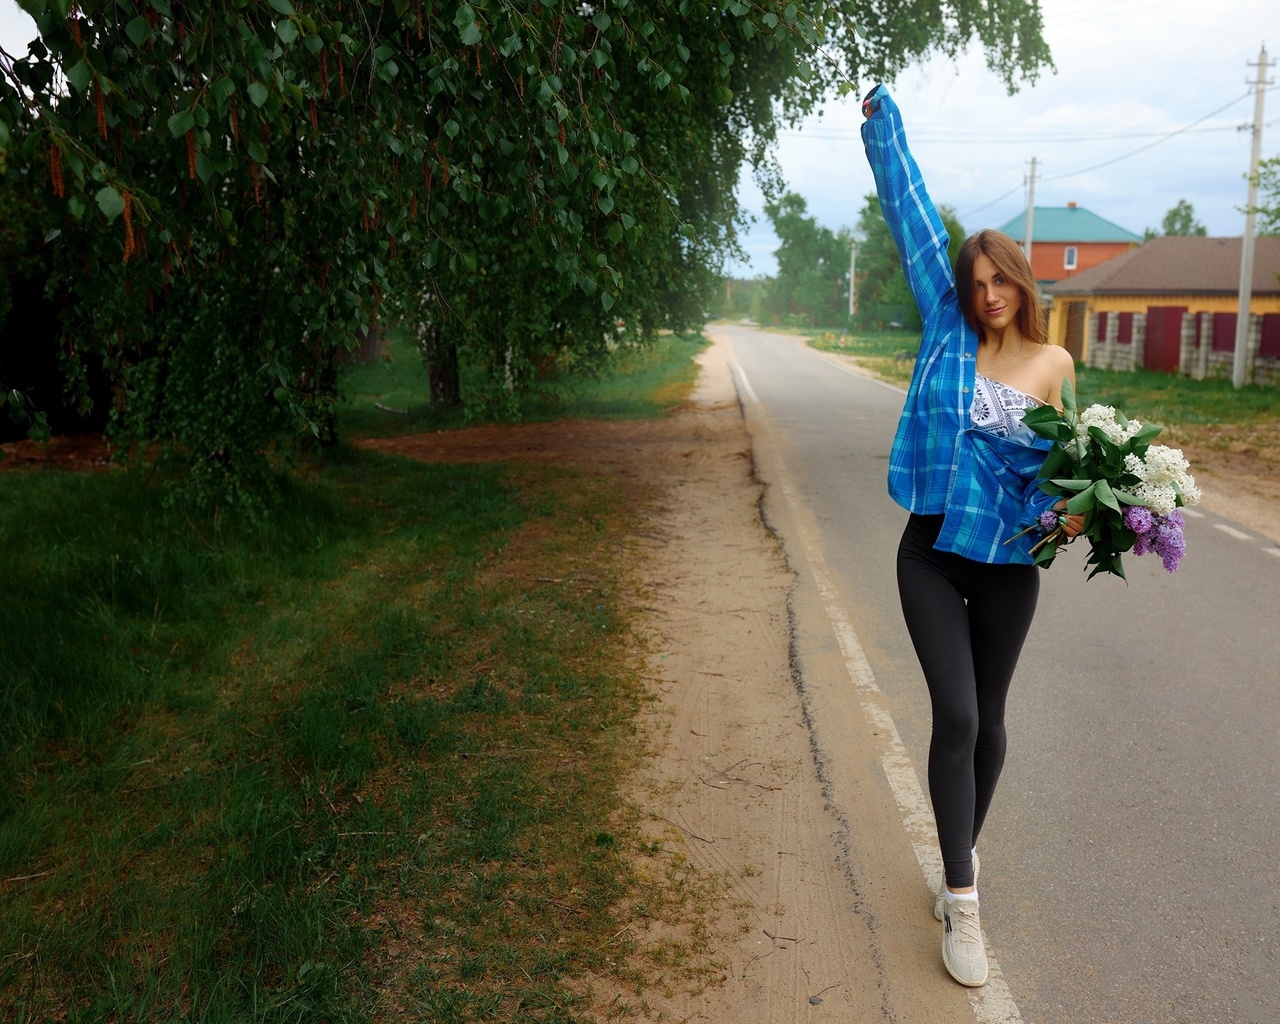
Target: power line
[1124, 156]
[970, 213]
[1150, 145]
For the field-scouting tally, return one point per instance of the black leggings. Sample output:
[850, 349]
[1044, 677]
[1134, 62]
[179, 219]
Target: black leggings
[968, 621]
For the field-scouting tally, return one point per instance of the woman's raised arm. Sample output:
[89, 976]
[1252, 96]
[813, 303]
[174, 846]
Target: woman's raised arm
[913, 220]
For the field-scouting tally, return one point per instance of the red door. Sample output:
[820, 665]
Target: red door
[1163, 349]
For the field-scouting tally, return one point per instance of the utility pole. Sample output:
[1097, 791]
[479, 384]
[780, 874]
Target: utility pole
[1031, 211]
[853, 266]
[1240, 363]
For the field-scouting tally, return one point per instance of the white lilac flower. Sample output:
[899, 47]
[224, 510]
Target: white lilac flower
[1104, 417]
[1160, 498]
[1163, 477]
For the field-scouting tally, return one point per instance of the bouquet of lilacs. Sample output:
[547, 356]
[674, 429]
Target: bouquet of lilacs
[1128, 489]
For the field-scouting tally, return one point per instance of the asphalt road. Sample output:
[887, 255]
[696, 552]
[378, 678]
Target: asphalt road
[1130, 860]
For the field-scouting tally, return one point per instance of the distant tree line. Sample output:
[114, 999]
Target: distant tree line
[811, 286]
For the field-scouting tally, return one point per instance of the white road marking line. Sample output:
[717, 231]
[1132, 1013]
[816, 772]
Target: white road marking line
[1231, 531]
[746, 384]
[1272, 551]
[994, 1003]
[1194, 513]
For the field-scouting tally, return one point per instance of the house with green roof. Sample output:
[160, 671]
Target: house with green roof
[1066, 240]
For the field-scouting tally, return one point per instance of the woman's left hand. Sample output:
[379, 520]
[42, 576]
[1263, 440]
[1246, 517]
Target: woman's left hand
[1072, 526]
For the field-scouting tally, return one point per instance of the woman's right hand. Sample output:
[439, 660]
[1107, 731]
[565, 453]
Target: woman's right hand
[871, 102]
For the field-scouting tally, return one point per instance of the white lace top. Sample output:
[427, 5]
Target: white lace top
[998, 408]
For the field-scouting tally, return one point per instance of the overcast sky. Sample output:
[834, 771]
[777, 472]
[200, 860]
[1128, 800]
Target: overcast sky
[1128, 73]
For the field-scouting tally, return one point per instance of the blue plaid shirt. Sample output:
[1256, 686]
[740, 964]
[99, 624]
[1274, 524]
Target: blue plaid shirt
[984, 485]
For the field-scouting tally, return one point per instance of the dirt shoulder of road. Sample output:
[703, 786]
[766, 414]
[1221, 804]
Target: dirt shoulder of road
[728, 793]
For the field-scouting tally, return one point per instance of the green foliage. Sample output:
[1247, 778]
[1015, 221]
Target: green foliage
[1268, 209]
[812, 284]
[736, 297]
[25, 223]
[883, 297]
[243, 187]
[1180, 220]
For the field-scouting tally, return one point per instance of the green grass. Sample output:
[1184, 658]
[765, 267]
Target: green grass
[267, 777]
[888, 354]
[1172, 399]
[638, 382]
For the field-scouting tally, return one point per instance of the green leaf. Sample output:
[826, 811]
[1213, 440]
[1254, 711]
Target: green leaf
[605, 204]
[287, 31]
[80, 75]
[1127, 497]
[615, 233]
[181, 123]
[1068, 397]
[110, 202]
[258, 93]
[222, 88]
[1073, 483]
[283, 6]
[35, 8]
[1045, 556]
[606, 300]
[1147, 434]
[1082, 502]
[1106, 496]
[139, 30]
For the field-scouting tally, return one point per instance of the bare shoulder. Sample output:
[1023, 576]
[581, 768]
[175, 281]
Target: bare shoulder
[1055, 364]
[1055, 357]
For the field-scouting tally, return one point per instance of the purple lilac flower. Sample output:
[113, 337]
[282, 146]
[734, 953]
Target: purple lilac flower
[1139, 519]
[1169, 543]
[1048, 520]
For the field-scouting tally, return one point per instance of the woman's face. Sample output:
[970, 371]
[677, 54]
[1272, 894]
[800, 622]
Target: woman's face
[996, 301]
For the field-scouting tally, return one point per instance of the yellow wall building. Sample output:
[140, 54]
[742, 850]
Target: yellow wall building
[1194, 275]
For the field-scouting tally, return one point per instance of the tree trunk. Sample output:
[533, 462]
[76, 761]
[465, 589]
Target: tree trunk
[442, 367]
[327, 391]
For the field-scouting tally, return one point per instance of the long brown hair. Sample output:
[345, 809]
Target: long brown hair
[1009, 260]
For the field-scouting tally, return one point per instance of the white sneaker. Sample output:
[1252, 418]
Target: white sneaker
[963, 953]
[942, 893]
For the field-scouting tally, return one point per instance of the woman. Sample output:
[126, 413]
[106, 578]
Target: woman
[965, 467]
